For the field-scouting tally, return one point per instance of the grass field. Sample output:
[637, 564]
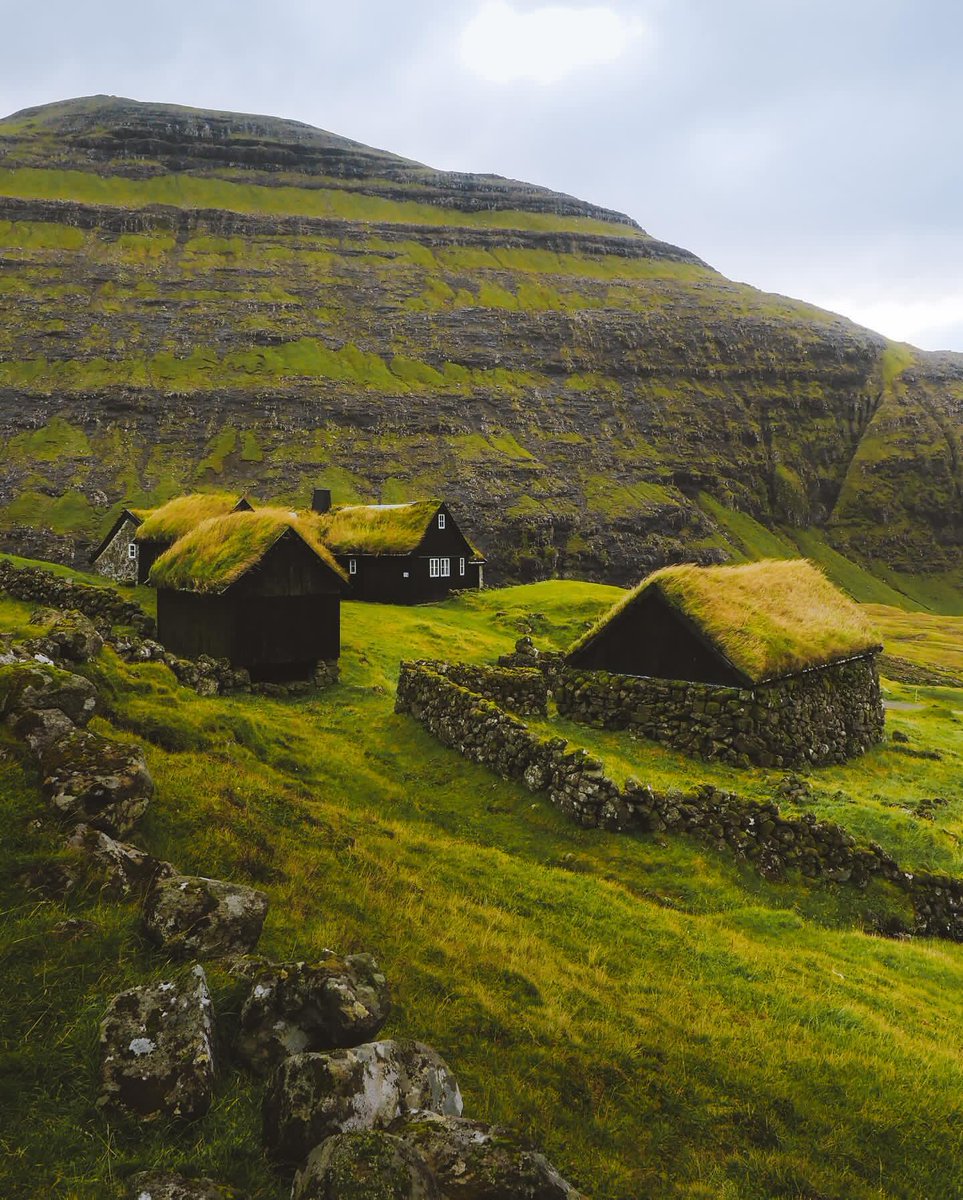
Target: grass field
[662, 1022]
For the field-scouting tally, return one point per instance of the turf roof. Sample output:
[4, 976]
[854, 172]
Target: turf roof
[377, 528]
[216, 553]
[769, 618]
[177, 516]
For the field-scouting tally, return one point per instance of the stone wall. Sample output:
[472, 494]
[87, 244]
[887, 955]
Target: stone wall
[522, 689]
[817, 718]
[101, 604]
[755, 832]
[115, 561]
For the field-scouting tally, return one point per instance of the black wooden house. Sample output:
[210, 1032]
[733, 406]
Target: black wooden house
[399, 553]
[255, 587]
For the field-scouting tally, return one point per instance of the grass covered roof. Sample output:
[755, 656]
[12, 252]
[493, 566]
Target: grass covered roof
[216, 553]
[177, 516]
[377, 528]
[769, 618]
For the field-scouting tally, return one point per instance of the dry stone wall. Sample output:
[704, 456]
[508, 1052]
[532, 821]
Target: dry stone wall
[101, 604]
[519, 689]
[817, 718]
[576, 783]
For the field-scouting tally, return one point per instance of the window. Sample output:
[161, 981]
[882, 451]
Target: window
[446, 567]
[131, 549]
[434, 567]
[404, 574]
[352, 566]
[461, 566]
[441, 520]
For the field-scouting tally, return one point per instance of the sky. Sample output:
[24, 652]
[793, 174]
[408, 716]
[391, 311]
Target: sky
[808, 147]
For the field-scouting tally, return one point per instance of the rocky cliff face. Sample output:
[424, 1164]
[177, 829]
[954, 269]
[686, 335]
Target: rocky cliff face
[192, 299]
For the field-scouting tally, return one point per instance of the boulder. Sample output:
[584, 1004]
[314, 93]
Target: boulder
[369, 1165]
[474, 1161]
[157, 1056]
[41, 727]
[96, 780]
[26, 686]
[160, 1185]
[191, 916]
[311, 1097]
[70, 635]
[121, 868]
[295, 1007]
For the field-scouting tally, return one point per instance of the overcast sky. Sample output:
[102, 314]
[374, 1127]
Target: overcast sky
[809, 147]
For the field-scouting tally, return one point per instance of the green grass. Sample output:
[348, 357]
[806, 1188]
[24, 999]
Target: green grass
[660, 1022]
[187, 191]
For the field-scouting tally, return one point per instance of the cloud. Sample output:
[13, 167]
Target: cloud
[545, 45]
[925, 322]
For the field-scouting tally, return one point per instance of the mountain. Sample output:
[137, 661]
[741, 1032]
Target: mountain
[193, 298]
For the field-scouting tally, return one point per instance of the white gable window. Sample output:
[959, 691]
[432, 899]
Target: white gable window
[461, 566]
[352, 566]
[441, 520]
[434, 567]
[446, 567]
[131, 549]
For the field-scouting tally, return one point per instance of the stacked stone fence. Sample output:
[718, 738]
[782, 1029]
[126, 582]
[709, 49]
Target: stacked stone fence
[519, 689]
[101, 604]
[815, 718]
[755, 832]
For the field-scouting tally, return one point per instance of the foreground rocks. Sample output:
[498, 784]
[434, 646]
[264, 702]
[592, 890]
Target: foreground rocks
[119, 868]
[95, 780]
[353, 1166]
[26, 686]
[297, 1007]
[157, 1057]
[194, 917]
[311, 1097]
[156, 1185]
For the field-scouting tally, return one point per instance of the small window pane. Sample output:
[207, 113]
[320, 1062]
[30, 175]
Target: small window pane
[461, 566]
[446, 567]
[131, 549]
[441, 520]
[352, 566]
[433, 568]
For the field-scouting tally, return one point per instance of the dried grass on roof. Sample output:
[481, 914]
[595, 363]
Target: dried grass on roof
[219, 551]
[183, 513]
[377, 529]
[768, 618]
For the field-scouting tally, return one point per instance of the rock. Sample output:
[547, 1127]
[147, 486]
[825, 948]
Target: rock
[473, 1161]
[192, 916]
[159, 1185]
[297, 1007]
[26, 686]
[73, 636]
[93, 779]
[157, 1056]
[313, 1096]
[41, 727]
[122, 868]
[369, 1165]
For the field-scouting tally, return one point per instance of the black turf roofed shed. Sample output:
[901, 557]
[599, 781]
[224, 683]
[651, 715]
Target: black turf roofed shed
[401, 553]
[737, 626]
[256, 588]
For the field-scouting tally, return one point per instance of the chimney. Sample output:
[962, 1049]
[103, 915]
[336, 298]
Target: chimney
[321, 500]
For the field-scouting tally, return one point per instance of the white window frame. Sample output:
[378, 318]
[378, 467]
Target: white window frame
[461, 566]
[434, 567]
[131, 549]
[445, 568]
[441, 520]
[352, 566]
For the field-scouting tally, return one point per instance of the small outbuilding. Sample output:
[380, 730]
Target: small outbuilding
[161, 527]
[766, 662]
[117, 555]
[401, 553]
[255, 587]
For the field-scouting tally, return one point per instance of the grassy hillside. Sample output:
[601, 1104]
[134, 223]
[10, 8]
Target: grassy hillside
[199, 299]
[661, 1022]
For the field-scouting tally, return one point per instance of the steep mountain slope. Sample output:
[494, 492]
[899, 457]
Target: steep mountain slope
[191, 298]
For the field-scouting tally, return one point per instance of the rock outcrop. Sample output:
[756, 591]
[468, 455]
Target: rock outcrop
[96, 780]
[194, 917]
[157, 1056]
[311, 1097]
